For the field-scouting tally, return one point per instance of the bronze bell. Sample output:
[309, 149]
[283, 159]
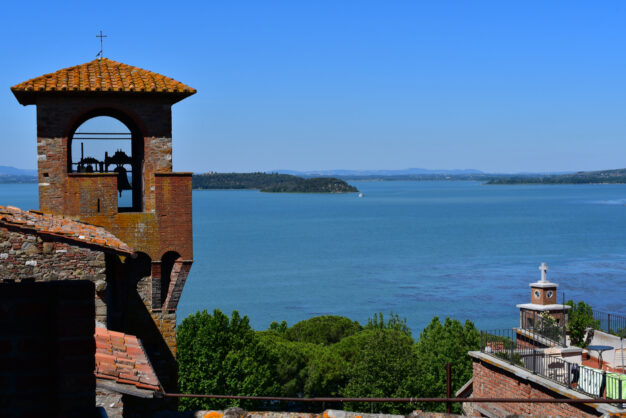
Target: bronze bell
[122, 179]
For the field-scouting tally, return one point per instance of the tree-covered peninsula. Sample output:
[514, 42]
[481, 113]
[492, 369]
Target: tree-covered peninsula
[271, 183]
[581, 177]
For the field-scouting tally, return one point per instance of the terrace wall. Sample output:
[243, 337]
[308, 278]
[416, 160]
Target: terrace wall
[492, 381]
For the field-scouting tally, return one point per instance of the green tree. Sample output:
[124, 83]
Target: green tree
[326, 329]
[438, 345]
[326, 373]
[383, 367]
[292, 361]
[279, 328]
[580, 323]
[394, 322]
[221, 356]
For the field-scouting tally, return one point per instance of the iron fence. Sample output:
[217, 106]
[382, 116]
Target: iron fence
[545, 326]
[546, 362]
[611, 323]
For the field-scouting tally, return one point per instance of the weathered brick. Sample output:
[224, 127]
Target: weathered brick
[493, 382]
[161, 224]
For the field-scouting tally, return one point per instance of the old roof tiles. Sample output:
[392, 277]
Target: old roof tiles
[100, 75]
[60, 226]
[121, 358]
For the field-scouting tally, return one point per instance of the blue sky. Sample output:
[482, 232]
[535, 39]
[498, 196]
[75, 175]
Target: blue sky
[497, 86]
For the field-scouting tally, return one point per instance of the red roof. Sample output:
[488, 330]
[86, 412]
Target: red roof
[121, 357]
[100, 75]
[60, 226]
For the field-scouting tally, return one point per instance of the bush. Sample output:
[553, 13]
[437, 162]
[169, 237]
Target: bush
[580, 323]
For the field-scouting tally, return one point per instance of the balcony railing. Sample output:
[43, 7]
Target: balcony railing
[545, 326]
[546, 362]
[611, 323]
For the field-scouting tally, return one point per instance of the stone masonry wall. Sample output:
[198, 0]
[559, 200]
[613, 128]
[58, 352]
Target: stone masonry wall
[111, 402]
[493, 382]
[28, 256]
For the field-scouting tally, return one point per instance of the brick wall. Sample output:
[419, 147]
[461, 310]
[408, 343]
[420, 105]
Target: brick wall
[168, 228]
[147, 117]
[166, 322]
[91, 194]
[161, 225]
[493, 382]
[164, 224]
[47, 349]
[174, 211]
[543, 298]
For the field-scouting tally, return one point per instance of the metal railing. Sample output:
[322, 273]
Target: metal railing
[545, 326]
[611, 323]
[509, 346]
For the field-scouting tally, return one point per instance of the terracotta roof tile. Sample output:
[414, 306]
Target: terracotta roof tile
[63, 227]
[100, 75]
[120, 357]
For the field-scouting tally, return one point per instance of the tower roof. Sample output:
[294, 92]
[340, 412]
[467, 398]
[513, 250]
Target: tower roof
[97, 76]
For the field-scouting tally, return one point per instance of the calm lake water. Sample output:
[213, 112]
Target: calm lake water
[459, 249]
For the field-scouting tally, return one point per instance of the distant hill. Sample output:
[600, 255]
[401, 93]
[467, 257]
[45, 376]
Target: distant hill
[271, 183]
[377, 173]
[17, 175]
[581, 177]
[7, 170]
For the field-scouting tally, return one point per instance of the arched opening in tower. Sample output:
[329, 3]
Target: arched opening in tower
[170, 267]
[105, 144]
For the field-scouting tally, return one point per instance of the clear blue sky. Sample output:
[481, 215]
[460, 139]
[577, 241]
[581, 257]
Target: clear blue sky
[499, 86]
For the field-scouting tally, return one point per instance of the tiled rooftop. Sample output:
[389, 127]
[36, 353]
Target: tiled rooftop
[54, 225]
[120, 357]
[102, 75]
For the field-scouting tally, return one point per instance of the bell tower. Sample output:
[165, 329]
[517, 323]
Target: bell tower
[155, 217]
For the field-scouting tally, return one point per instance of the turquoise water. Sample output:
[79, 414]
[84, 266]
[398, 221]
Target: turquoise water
[458, 249]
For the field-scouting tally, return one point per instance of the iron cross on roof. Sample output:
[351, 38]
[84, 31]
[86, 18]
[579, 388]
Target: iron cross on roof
[100, 54]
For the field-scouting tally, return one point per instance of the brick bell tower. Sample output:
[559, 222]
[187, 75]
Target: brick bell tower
[155, 218]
